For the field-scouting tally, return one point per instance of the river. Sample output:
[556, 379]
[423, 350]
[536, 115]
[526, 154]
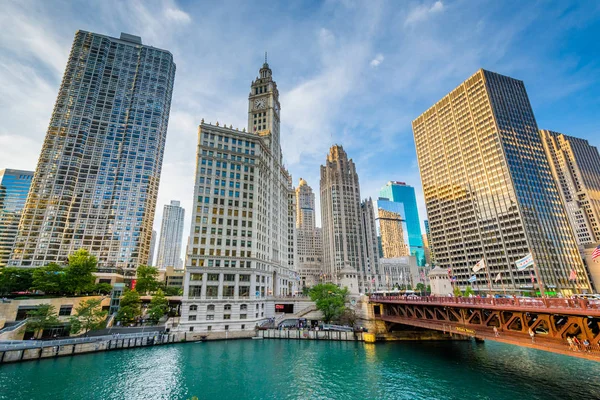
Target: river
[280, 369]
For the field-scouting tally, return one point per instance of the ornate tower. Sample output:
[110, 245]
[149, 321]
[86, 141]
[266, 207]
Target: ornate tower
[263, 109]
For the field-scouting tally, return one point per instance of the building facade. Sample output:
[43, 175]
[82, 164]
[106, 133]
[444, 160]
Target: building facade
[238, 251]
[344, 237]
[392, 234]
[575, 166]
[171, 235]
[401, 193]
[97, 177]
[309, 247]
[152, 248]
[489, 190]
[14, 187]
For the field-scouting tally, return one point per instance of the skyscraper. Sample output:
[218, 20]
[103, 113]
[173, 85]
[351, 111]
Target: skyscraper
[239, 246]
[401, 193]
[489, 189]
[97, 177]
[171, 235]
[152, 248]
[14, 187]
[344, 236]
[309, 237]
[575, 165]
[392, 233]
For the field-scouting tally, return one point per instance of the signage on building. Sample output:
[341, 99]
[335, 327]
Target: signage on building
[284, 308]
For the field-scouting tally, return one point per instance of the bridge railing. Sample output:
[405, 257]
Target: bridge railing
[525, 302]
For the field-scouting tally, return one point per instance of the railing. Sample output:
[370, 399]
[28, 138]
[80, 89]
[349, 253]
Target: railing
[524, 302]
[30, 344]
[13, 327]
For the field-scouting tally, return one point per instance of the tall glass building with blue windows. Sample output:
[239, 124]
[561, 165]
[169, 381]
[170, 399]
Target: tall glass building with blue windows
[397, 201]
[96, 182]
[14, 187]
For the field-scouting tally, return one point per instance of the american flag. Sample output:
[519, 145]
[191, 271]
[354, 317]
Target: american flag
[572, 275]
[596, 253]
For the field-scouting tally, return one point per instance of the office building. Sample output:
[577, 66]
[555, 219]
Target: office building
[309, 237]
[343, 224]
[14, 187]
[401, 193]
[171, 235]
[238, 251]
[97, 177]
[489, 190]
[152, 248]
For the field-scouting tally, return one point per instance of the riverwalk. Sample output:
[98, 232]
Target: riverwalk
[24, 350]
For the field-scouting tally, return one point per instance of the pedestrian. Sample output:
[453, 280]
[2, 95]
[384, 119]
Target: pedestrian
[570, 341]
[576, 343]
[496, 334]
[532, 335]
[586, 345]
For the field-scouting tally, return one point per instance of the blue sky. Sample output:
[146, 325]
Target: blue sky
[349, 72]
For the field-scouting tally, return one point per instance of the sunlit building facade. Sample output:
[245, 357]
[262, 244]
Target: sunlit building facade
[14, 187]
[309, 249]
[239, 248]
[171, 235]
[489, 189]
[98, 174]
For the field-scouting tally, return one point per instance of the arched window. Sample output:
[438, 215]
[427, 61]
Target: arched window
[193, 307]
[210, 307]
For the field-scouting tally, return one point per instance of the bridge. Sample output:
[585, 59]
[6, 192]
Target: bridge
[552, 320]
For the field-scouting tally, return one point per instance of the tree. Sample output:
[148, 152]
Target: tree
[305, 290]
[172, 291]
[457, 291]
[420, 287]
[79, 275]
[146, 279]
[428, 289]
[469, 291]
[349, 316]
[330, 300]
[49, 279]
[159, 305]
[43, 317]
[103, 288]
[130, 307]
[88, 316]
[15, 279]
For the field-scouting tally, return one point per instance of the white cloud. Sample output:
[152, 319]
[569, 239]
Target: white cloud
[177, 15]
[377, 60]
[423, 12]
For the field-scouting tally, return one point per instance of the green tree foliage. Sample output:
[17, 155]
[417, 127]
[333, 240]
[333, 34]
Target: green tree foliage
[88, 316]
[146, 279]
[159, 305]
[469, 291]
[103, 288]
[15, 279]
[79, 275]
[457, 291]
[130, 307]
[428, 288]
[43, 317]
[172, 291]
[330, 300]
[49, 279]
[420, 287]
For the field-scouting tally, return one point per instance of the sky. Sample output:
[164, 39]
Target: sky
[354, 73]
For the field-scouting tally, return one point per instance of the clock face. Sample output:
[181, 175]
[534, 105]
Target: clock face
[260, 103]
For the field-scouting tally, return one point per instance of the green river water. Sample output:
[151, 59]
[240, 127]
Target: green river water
[281, 369]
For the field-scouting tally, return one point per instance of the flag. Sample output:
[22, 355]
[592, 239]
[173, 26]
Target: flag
[453, 279]
[573, 275]
[498, 277]
[532, 277]
[479, 266]
[473, 278]
[449, 271]
[596, 253]
[524, 262]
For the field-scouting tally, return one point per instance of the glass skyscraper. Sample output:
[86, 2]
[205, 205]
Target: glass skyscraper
[97, 177]
[489, 190]
[14, 187]
[399, 193]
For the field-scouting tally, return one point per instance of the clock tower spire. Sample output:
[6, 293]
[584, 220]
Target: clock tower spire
[263, 109]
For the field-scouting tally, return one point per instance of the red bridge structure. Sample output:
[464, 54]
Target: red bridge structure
[551, 320]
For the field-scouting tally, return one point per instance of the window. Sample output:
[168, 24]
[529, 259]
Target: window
[227, 307]
[65, 310]
[227, 316]
[210, 307]
[242, 316]
[196, 277]
[226, 327]
[213, 277]
[193, 307]
[209, 317]
[192, 318]
[243, 326]
[209, 328]
[191, 329]
[243, 307]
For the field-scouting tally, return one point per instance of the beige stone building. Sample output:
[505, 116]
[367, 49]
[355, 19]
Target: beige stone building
[309, 249]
